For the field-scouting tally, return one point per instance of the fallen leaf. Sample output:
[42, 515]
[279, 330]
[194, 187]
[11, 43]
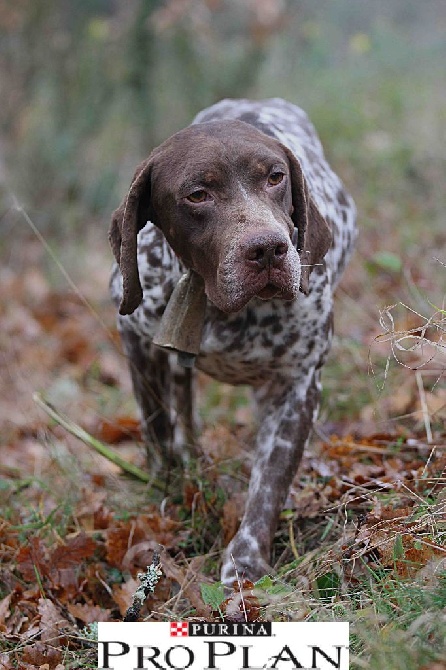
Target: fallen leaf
[188, 584]
[88, 613]
[242, 604]
[119, 429]
[52, 622]
[4, 608]
[416, 558]
[123, 594]
[74, 552]
[139, 555]
[119, 540]
[31, 557]
[40, 654]
[6, 662]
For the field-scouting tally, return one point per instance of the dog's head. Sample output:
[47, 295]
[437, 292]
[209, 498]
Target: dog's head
[227, 198]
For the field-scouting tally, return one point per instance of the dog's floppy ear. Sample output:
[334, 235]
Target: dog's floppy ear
[314, 236]
[127, 221]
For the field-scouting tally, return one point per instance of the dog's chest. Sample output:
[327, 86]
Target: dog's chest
[264, 339]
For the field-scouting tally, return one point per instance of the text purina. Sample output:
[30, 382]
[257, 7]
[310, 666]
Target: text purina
[255, 629]
[243, 657]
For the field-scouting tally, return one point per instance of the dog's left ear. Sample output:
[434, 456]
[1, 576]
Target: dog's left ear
[130, 217]
[314, 236]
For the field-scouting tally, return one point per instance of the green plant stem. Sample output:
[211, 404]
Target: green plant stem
[95, 444]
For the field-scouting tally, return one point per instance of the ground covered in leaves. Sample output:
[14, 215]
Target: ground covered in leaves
[362, 537]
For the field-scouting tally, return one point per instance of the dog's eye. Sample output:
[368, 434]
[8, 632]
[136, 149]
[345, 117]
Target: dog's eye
[275, 178]
[197, 196]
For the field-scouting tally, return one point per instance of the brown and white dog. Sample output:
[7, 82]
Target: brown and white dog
[245, 199]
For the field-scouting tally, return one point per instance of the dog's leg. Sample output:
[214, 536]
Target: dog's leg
[150, 372]
[183, 415]
[163, 391]
[288, 410]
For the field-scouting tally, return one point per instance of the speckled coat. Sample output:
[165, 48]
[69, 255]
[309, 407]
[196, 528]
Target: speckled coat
[276, 345]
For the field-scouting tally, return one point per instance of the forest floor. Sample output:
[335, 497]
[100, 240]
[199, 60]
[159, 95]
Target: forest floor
[363, 535]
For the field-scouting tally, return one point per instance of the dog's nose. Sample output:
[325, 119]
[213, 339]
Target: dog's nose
[265, 252]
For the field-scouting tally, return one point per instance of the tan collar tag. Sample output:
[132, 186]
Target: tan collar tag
[181, 325]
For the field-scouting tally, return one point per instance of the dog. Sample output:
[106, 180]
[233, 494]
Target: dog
[244, 200]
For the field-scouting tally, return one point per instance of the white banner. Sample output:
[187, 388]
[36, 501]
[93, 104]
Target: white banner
[223, 646]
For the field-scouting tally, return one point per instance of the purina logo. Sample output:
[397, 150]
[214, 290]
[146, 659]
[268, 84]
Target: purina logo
[202, 629]
[179, 629]
[221, 646]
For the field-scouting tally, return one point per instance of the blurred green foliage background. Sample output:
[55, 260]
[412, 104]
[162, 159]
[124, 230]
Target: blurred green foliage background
[89, 87]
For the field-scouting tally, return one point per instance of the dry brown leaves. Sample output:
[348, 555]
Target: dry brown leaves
[243, 604]
[399, 539]
[59, 576]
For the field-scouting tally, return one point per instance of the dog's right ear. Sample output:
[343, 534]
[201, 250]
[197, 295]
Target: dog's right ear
[130, 217]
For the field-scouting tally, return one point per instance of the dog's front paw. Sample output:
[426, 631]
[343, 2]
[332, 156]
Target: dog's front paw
[243, 560]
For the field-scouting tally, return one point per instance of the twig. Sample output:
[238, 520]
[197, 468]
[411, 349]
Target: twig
[240, 587]
[149, 580]
[95, 444]
[188, 588]
[424, 407]
[292, 540]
